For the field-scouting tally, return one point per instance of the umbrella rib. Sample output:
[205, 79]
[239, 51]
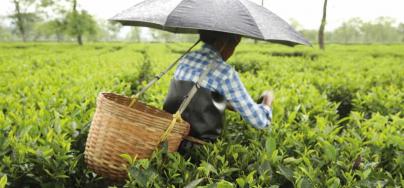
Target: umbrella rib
[255, 23]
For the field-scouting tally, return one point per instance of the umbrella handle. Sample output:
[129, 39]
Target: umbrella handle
[157, 77]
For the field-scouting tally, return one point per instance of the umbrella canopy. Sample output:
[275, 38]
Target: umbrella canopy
[241, 17]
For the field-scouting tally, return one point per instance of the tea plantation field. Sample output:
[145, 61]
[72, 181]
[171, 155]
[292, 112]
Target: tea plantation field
[338, 116]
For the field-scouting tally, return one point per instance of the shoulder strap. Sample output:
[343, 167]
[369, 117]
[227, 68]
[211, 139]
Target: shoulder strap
[157, 77]
[195, 88]
[185, 103]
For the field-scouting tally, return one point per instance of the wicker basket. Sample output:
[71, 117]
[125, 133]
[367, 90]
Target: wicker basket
[117, 128]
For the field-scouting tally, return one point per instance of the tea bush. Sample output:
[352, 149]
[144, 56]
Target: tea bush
[338, 116]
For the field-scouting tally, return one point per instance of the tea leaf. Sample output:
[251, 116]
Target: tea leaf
[194, 183]
[3, 181]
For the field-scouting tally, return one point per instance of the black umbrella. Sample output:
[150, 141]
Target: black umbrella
[241, 17]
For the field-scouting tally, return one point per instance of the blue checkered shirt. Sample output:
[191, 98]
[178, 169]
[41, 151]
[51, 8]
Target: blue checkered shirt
[224, 80]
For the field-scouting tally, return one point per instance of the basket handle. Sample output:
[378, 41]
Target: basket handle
[177, 118]
[157, 77]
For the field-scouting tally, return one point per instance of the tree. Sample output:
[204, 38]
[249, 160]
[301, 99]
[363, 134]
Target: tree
[322, 26]
[382, 30]
[28, 14]
[134, 34]
[295, 24]
[187, 38]
[113, 29]
[58, 26]
[160, 35]
[5, 33]
[80, 23]
[401, 31]
[22, 18]
[53, 30]
[310, 34]
[349, 32]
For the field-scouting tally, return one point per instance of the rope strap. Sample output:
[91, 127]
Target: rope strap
[157, 77]
[176, 118]
[195, 88]
[186, 102]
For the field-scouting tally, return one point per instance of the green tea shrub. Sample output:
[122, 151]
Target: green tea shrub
[337, 117]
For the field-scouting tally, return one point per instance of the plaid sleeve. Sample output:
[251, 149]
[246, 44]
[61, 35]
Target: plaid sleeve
[232, 88]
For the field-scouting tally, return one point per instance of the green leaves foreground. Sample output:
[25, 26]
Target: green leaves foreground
[338, 117]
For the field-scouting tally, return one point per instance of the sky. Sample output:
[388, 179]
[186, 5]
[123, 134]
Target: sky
[307, 12]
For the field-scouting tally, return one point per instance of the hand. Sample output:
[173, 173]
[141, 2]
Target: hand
[268, 97]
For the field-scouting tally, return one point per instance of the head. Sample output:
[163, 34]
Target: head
[225, 43]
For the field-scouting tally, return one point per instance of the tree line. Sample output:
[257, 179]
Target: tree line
[63, 20]
[356, 30]
[51, 20]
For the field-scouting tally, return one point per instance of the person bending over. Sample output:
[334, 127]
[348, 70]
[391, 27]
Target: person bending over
[221, 89]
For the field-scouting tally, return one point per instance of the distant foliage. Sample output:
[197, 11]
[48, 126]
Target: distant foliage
[80, 24]
[356, 30]
[52, 20]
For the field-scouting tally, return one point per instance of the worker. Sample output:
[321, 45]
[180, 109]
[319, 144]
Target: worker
[221, 89]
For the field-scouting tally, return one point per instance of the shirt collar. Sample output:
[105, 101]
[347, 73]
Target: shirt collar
[211, 51]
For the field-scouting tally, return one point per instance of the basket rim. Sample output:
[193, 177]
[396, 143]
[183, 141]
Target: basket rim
[102, 94]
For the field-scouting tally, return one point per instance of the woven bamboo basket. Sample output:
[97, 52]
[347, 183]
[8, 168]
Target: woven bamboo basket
[117, 129]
